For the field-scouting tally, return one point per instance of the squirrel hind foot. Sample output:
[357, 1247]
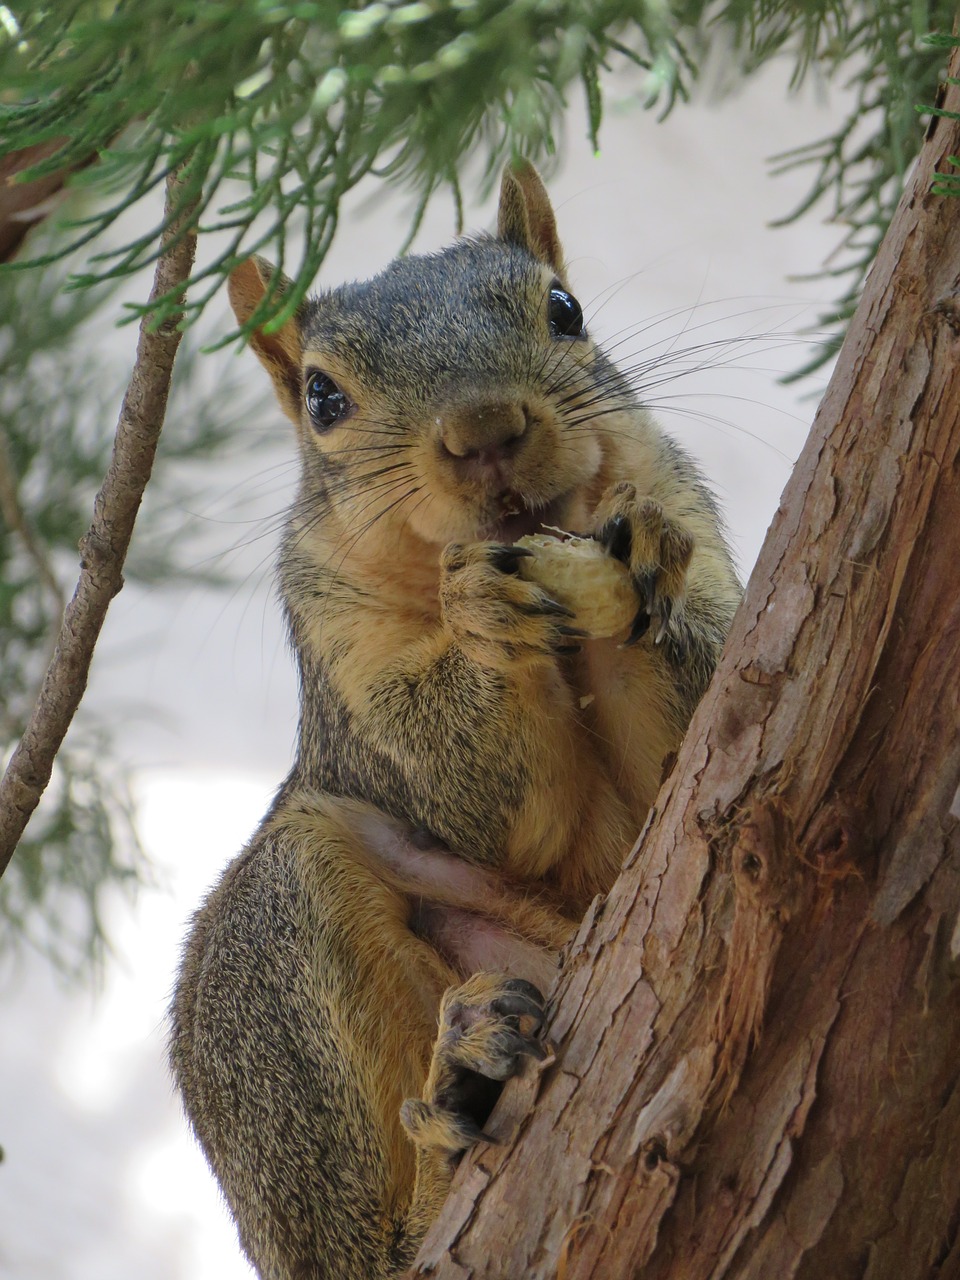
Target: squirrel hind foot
[489, 1026]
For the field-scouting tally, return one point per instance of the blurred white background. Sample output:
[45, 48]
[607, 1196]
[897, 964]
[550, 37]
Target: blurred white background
[668, 242]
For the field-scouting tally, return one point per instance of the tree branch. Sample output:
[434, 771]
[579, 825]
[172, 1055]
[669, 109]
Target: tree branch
[104, 547]
[758, 1063]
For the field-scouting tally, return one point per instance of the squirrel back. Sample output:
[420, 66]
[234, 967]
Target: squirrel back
[471, 767]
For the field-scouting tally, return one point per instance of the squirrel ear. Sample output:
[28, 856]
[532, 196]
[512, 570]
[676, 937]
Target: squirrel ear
[526, 216]
[280, 351]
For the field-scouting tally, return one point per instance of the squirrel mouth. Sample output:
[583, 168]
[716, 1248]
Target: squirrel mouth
[517, 520]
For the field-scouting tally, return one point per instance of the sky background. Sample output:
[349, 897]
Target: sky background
[668, 242]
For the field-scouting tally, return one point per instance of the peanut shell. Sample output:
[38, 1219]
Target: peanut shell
[580, 574]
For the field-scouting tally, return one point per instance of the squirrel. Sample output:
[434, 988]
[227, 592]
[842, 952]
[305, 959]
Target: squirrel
[471, 770]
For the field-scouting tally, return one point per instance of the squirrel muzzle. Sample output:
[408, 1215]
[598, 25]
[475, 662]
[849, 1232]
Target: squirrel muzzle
[480, 442]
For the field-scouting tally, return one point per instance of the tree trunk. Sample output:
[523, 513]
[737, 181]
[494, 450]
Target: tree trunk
[757, 1070]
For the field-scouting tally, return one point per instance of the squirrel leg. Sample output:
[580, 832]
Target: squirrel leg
[488, 1026]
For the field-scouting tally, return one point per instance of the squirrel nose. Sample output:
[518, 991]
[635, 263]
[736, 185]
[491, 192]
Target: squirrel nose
[483, 437]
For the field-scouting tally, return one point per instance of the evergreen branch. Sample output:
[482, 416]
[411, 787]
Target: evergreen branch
[104, 547]
[402, 89]
[861, 167]
[948, 184]
[301, 99]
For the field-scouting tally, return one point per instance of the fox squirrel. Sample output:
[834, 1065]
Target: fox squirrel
[470, 769]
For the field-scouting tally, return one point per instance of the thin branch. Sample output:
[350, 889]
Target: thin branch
[104, 547]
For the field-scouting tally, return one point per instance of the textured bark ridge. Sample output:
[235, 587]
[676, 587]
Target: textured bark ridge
[758, 1062]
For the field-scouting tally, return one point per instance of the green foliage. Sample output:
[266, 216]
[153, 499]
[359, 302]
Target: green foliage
[58, 406]
[892, 68]
[947, 184]
[81, 845]
[300, 100]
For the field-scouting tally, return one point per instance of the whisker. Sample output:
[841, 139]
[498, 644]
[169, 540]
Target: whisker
[333, 574]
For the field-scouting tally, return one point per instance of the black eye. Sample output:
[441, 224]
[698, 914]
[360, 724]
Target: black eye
[565, 314]
[326, 403]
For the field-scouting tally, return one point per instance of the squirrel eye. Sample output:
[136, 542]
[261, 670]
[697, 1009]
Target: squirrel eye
[326, 403]
[565, 314]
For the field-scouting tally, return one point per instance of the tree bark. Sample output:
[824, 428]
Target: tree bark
[104, 547]
[757, 1069]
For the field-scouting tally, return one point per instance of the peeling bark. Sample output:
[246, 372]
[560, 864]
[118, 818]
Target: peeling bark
[757, 1070]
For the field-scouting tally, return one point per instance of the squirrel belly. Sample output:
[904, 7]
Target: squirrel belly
[471, 766]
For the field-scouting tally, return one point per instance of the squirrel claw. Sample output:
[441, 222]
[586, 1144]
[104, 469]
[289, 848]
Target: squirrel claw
[573, 633]
[647, 590]
[505, 556]
[665, 613]
[640, 627]
[616, 536]
[557, 609]
[521, 998]
[545, 605]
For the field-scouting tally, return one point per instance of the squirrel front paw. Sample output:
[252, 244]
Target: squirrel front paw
[488, 1026]
[657, 552]
[494, 613]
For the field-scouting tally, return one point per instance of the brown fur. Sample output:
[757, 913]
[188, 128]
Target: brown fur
[465, 781]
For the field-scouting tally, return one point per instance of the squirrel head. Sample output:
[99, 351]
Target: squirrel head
[451, 395]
